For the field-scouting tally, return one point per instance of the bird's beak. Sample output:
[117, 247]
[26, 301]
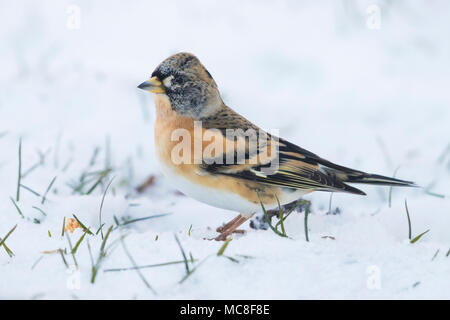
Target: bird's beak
[152, 85]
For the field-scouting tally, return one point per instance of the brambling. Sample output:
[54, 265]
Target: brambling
[213, 154]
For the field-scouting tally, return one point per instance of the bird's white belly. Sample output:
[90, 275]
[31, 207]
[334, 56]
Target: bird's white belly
[218, 197]
[214, 197]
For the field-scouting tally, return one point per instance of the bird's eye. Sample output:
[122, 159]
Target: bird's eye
[179, 80]
[168, 81]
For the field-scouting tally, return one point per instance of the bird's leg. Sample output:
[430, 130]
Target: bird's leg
[228, 225]
[231, 227]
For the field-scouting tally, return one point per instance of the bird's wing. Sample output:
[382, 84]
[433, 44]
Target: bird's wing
[274, 161]
[288, 168]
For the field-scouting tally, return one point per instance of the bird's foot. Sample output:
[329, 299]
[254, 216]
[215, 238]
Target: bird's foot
[221, 230]
[224, 235]
[295, 206]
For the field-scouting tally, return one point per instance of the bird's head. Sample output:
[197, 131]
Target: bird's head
[189, 86]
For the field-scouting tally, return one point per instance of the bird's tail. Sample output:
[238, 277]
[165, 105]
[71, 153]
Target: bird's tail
[349, 175]
[377, 179]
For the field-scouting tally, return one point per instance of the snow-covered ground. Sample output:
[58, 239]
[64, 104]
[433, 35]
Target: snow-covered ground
[373, 99]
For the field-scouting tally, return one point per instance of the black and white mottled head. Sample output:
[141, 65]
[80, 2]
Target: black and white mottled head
[189, 86]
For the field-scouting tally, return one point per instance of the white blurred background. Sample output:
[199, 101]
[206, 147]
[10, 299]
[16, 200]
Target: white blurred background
[332, 76]
[362, 83]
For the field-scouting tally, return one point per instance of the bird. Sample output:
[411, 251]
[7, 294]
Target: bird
[211, 153]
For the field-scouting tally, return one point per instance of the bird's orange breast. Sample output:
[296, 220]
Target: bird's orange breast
[167, 122]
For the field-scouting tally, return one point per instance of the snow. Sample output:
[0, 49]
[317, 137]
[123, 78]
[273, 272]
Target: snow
[375, 100]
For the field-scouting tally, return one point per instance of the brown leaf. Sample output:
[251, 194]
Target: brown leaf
[148, 183]
[71, 225]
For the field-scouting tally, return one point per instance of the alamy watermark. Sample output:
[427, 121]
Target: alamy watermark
[373, 281]
[373, 21]
[73, 21]
[73, 281]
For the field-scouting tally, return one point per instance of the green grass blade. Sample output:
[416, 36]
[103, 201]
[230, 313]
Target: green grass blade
[409, 220]
[36, 262]
[82, 225]
[63, 227]
[37, 194]
[116, 221]
[2, 242]
[108, 151]
[186, 264]
[90, 252]
[135, 266]
[101, 206]
[144, 218]
[17, 207]
[31, 169]
[7, 235]
[231, 259]
[99, 228]
[390, 188]
[147, 266]
[103, 174]
[74, 250]
[19, 177]
[306, 223]
[8, 250]
[434, 194]
[40, 210]
[287, 214]
[101, 255]
[435, 255]
[48, 190]
[102, 248]
[223, 247]
[419, 236]
[71, 250]
[268, 219]
[94, 156]
[63, 258]
[193, 270]
[283, 231]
